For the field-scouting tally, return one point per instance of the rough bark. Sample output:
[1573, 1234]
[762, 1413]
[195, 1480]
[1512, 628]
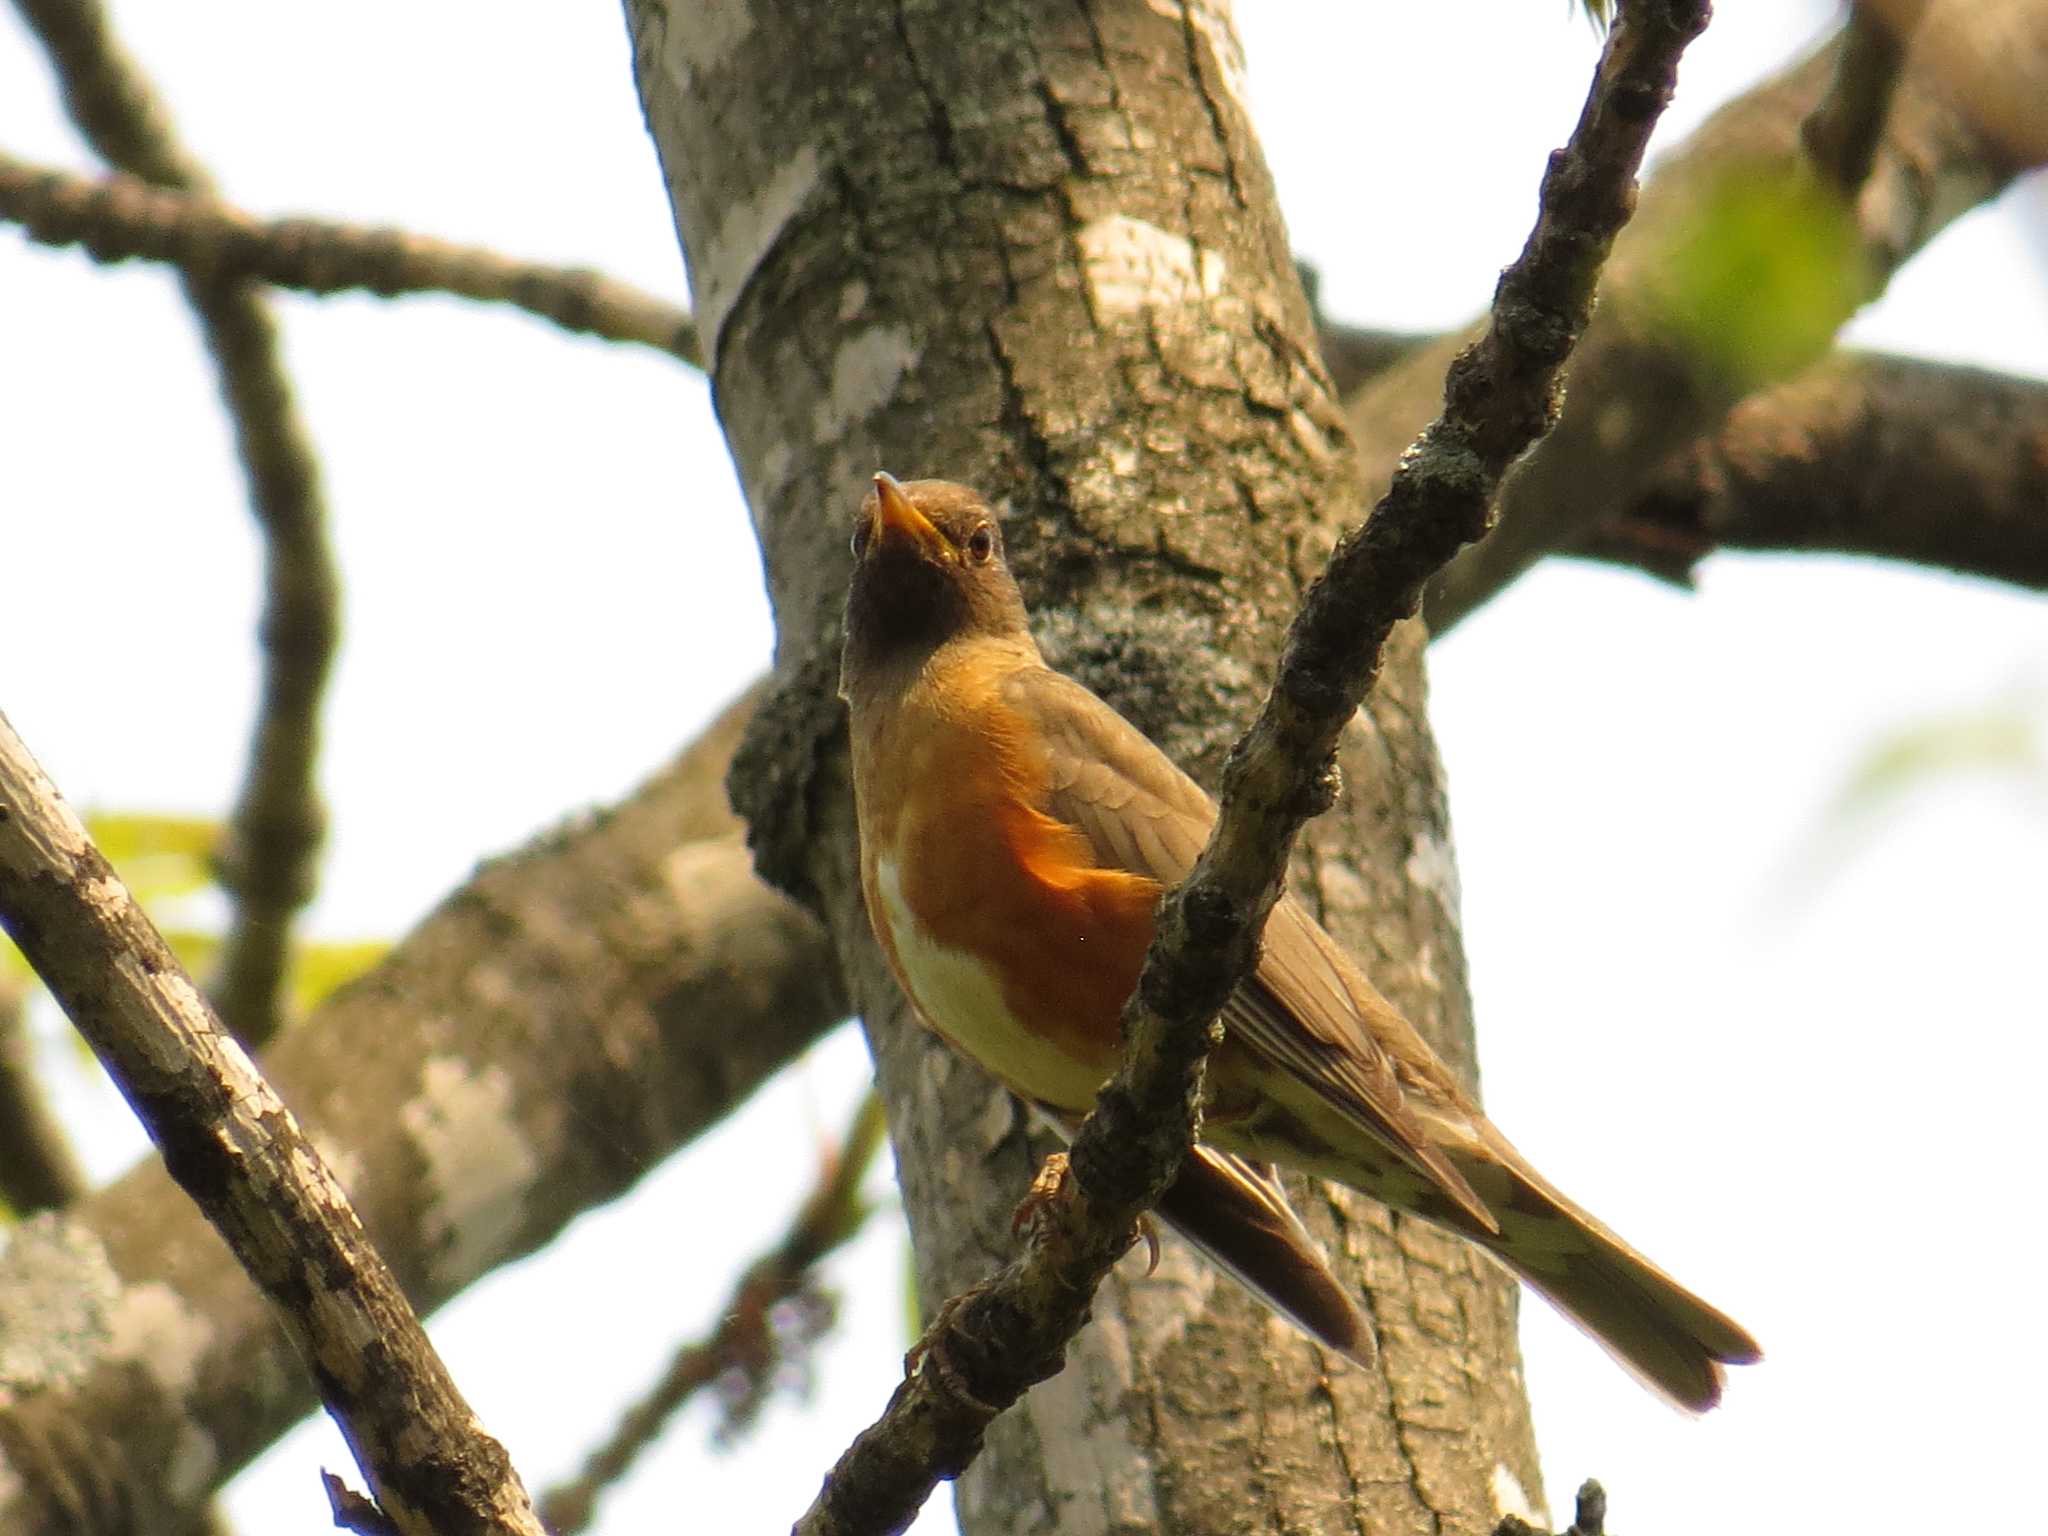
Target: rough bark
[1034, 248]
[572, 1015]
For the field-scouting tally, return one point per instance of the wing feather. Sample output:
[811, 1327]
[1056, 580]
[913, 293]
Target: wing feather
[1308, 1010]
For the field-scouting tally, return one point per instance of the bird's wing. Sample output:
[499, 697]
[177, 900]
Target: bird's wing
[1307, 1009]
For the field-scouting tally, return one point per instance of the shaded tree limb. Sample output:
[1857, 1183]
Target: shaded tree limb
[580, 1008]
[277, 823]
[122, 218]
[1865, 453]
[748, 1346]
[38, 1169]
[1841, 134]
[1933, 463]
[990, 1344]
[1637, 393]
[237, 1151]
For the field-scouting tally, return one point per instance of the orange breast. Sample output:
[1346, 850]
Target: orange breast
[997, 919]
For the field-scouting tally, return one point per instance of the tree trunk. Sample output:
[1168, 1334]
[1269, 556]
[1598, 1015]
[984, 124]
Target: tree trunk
[1034, 247]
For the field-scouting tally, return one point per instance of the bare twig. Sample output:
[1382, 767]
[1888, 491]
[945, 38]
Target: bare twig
[987, 1347]
[353, 1512]
[277, 825]
[747, 1345]
[1589, 1516]
[1843, 131]
[120, 218]
[236, 1150]
[38, 1170]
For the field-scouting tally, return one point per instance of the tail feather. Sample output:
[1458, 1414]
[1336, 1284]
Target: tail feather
[1235, 1213]
[1667, 1337]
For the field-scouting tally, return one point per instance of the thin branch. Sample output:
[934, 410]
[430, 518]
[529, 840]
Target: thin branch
[987, 1347]
[277, 824]
[38, 1170]
[120, 218]
[236, 1150]
[1844, 129]
[1928, 462]
[748, 1346]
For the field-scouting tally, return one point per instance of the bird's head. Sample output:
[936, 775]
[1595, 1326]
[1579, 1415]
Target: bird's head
[927, 569]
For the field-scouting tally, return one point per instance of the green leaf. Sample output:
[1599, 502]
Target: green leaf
[157, 856]
[1998, 737]
[320, 968]
[1764, 274]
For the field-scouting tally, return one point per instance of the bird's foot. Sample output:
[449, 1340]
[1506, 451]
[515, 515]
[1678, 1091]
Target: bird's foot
[1045, 1189]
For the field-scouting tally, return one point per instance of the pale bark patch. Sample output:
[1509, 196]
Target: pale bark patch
[721, 266]
[1511, 1498]
[193, 1466]
[153, 1328]
[1433, 867]
[57, 1290]
[1089, 1450]
[1211, 22]
[1130, 266]
[713, 30]
[865, 374]
[479, 1166]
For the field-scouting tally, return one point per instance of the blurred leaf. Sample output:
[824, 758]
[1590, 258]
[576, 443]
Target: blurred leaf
[158, 856]
[196, 949]
[1763, 275]
[2001, 737]
[321, 968]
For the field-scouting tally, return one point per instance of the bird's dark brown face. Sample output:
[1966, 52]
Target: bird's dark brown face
[927, 568]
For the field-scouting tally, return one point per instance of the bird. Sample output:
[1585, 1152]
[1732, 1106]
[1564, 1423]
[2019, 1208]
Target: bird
[1016, 834]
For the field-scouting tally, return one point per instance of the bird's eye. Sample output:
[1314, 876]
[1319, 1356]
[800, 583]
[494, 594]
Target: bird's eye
[981, 544]
[860, 537]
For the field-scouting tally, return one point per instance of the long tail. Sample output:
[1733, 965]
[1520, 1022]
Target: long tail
[1670, 1339]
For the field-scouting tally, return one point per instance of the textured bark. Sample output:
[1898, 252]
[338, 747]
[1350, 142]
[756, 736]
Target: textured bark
[575, 1013]
[1033, 247]
[1637, 392]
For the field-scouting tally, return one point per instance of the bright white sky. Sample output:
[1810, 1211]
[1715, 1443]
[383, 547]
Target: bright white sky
[1706, 1007]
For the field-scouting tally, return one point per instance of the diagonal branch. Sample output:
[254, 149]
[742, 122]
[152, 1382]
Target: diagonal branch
[986, 1348]
[580, 1008]
[238, 1152]
[277, 824]
[122, 218]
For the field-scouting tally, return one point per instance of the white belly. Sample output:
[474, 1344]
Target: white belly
[962, 999]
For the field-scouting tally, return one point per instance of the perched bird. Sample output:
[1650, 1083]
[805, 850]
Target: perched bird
[1016, 834]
